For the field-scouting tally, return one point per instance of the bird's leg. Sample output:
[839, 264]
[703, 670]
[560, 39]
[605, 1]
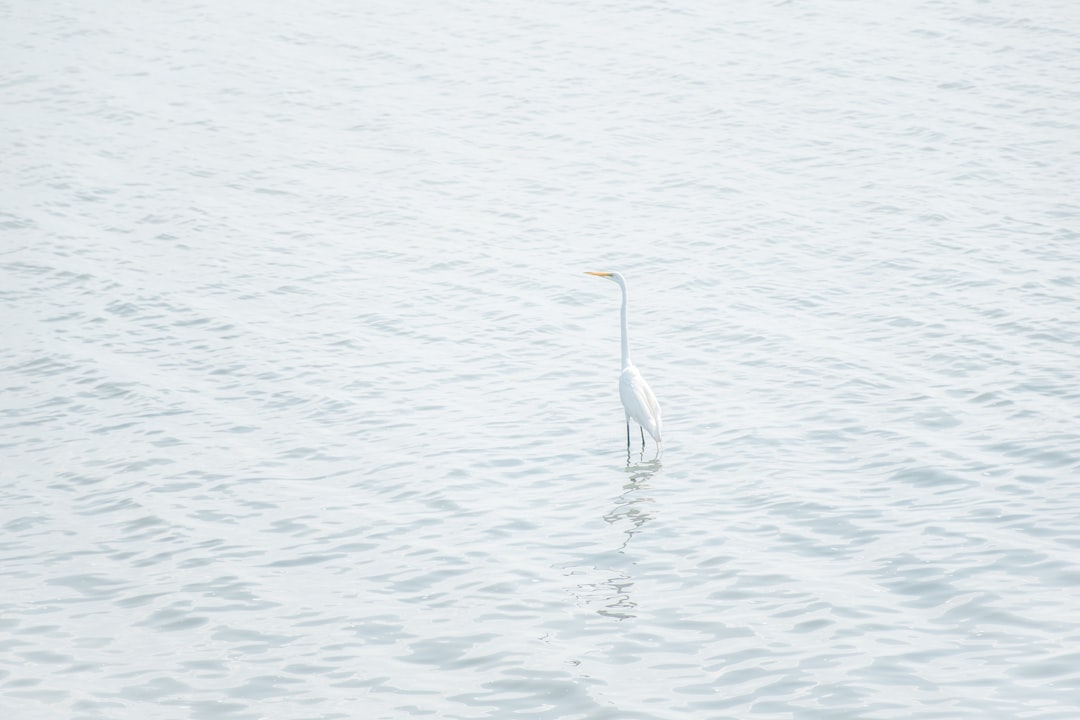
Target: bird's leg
[642, 439]
[627, 433]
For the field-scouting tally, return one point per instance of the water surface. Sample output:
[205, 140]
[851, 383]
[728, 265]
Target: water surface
[309, 410]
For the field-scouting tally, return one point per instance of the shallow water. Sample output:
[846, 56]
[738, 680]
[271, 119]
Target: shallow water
[309, 410]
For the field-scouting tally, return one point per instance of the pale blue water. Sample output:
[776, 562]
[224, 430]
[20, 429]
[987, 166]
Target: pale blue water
[309, 410]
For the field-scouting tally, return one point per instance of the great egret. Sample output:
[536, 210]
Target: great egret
[637, 397]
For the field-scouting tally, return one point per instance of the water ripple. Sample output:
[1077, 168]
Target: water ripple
[309, 411]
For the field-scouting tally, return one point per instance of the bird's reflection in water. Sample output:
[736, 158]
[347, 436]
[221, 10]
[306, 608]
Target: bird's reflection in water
[631, 510]
[616, 597]
[610, 569]
[642, 466]
[633, 504]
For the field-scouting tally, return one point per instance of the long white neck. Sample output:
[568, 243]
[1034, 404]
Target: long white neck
[625, 333]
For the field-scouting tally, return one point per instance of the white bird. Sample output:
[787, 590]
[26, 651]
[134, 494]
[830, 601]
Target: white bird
[637, 397]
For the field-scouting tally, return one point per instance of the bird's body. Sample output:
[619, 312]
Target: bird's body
[639, 402]
[637, 397]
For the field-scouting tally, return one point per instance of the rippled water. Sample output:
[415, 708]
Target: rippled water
[309, 410]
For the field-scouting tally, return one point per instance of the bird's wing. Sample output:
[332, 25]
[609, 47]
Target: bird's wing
[650, 399]
[640, 402]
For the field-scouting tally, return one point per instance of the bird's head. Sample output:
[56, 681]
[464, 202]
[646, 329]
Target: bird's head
[613, 276]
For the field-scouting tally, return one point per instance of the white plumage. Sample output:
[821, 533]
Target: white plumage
[637, 397]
